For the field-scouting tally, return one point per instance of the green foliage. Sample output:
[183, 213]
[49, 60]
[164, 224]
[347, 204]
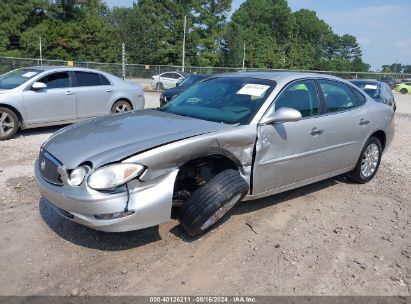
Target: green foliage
[397, 68]
[152, 30]
[275, 37]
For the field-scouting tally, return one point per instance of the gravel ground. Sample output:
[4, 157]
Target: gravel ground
[329, 238]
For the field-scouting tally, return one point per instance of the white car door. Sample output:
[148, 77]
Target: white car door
[55, 103]
[93, 94]
[167, 80]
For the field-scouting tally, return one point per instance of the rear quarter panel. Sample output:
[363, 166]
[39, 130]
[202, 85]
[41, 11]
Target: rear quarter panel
[124, 90]
[382, 119]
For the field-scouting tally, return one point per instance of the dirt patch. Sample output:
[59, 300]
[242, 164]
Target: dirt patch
[330, 238]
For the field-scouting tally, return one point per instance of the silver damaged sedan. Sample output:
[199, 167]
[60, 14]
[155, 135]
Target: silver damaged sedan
[230, 138]
[44, 96]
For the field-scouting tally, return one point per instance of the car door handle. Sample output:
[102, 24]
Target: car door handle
[69, 93]
[109, 90]
[315, 132]
[364, 122]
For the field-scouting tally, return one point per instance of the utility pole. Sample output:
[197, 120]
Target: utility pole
[396, 65]
[123, 60]
[184, 43]
[244, 58]
[41, 55]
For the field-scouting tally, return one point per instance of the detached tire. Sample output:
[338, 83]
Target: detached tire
[209, 203]
[368, 162]
[9, 123]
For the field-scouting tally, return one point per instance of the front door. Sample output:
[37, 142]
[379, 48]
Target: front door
[55, 103]
[290, 152]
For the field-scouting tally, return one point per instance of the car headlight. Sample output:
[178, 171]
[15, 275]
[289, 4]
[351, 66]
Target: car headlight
[114, 175]
[76, 176]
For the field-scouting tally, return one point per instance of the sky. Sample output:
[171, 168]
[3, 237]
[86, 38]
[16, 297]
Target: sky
[382, 27]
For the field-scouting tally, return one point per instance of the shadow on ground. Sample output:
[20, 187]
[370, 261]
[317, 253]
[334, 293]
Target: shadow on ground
[38, 131]
[90, 238]
[258, 204]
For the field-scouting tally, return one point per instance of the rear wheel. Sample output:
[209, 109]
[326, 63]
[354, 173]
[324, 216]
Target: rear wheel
[209, 203]
[369, 161]
[121, 106]
[404, 91]
[9, 123]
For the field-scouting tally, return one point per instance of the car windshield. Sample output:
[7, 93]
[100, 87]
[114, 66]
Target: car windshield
[231, 100]
[15, 78]
[188, 82]
[371, 88]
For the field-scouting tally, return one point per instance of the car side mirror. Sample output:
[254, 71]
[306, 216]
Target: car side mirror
[39, 86]
[281, 115]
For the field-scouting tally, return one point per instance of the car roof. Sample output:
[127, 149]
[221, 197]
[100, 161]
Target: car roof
[201, 75]
[60, 67]
[373, 81]
[280, 76]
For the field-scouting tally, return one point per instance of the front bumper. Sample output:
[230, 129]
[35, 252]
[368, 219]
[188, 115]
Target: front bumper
[151, 202]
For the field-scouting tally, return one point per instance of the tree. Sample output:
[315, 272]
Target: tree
[86, 37]
[152, 30]
[264, 27]
[209, 22]
[312, 40]
[16, 17]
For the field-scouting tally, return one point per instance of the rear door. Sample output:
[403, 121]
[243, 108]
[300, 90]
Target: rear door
[55, 103]
[347, 124]
[168, 80]
[290, 152]
[93, 94]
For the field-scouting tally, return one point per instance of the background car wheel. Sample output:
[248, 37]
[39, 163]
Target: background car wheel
[404, 91]
[159, 86]
[209, 203]
[9, 123]
[369, 161]
[121, 106]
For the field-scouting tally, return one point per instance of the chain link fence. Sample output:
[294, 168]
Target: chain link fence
[147, 71]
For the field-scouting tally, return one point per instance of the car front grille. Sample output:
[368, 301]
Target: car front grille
[48, 168]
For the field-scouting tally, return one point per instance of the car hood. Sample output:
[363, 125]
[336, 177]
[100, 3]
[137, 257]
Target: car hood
[115, 137]
[174, 91]
[4, 91]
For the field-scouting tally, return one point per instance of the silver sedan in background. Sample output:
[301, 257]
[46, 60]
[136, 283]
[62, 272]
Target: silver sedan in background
[44, 96]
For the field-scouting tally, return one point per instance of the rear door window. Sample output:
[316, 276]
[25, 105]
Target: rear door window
[166, 75]
[87, 79]
[104, 80]
[361, 99]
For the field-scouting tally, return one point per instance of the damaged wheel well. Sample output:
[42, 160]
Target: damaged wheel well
[196, 173]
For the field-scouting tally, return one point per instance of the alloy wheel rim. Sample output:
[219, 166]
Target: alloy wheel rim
[370, 160]
[221, 212]
[121, 108]
[6, 124]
